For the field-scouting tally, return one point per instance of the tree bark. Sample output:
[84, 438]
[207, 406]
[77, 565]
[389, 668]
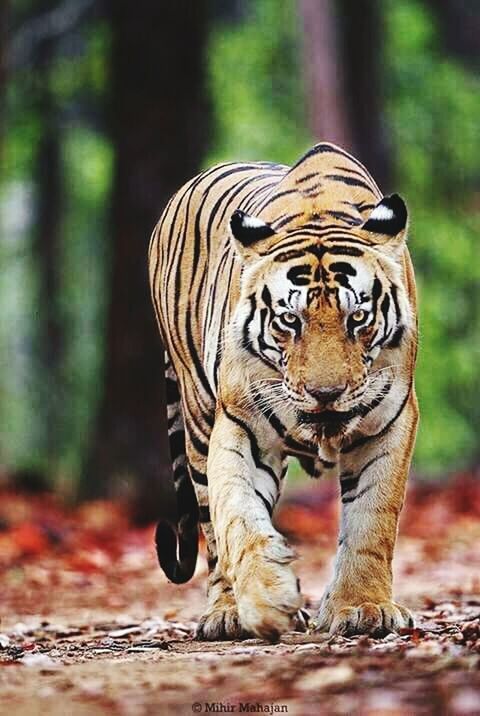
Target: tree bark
[325, 85]
[343, 71]
[47, 248]
[4, 15]
[459, 23]
[158, 126]
[362, 33]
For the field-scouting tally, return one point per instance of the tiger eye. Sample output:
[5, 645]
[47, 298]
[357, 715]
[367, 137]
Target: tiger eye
[289, 318]
[359, 315]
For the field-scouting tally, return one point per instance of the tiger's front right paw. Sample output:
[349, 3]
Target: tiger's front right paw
[266, 589]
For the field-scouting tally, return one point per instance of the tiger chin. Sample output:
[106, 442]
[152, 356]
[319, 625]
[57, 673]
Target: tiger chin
[285, 299]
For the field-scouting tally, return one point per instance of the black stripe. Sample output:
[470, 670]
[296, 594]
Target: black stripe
[385, 307]
[350, 181]
[215, 285]
[274, 421]
[308, 449]
[265, 502]
[343, 267]
[235, 451]
[366, 438]
[176, 442]
[212, 563]
[237, 189]
[199, 446]
[271, 199]
[349, 482]
[194, 355]
[285, 256]
[343, 216]
[180, 471]
[180, 243]
[278, 224]
[300, 275]
[305, 178]
[198, 477]
[204, 514]
[251, 199]
[348, 500]
[197, 234]
[340, 250]
[365, 409]
[361, 206]
[218, 354]
[396, 339]
[324, 148]
[246, 326]
[171, 391]
[254, 448]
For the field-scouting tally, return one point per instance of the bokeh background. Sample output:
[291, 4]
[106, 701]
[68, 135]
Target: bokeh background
[108, 106]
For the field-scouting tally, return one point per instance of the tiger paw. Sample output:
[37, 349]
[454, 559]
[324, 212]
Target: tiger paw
[366, 618]
[267, 591]
[220, 624]
[221, 621]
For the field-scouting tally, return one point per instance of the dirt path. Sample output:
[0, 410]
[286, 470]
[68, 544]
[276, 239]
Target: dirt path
[97, 630]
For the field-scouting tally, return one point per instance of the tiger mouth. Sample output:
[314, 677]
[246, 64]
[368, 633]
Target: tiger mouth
[326, 416]
[329, 422]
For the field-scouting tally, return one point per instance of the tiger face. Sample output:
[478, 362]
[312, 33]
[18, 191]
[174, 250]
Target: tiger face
[326, 312]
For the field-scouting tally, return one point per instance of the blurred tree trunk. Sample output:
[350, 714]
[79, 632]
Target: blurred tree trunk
[325, 85]
[343, 69]
[158, 123]
[47, 244]
[362, 32]
[229, 11]
[4, 12]
[459, 22]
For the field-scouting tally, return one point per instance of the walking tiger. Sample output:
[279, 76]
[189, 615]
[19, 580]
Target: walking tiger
[285, 299]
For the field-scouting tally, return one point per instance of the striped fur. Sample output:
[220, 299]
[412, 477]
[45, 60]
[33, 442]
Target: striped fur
[285, 298]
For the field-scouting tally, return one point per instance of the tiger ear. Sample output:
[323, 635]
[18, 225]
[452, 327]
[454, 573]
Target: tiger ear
[388, 222]
[247, 231]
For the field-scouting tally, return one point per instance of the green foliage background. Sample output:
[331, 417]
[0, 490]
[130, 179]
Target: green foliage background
[255, 79]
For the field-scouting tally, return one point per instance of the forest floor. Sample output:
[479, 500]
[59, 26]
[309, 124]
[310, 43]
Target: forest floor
[89, 624]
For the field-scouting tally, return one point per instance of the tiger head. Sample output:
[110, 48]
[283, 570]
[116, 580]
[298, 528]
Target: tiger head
[326, 309]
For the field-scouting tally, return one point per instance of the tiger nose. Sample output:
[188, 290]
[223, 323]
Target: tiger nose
[325, 394]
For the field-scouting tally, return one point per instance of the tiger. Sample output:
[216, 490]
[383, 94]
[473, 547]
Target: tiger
[286, 303]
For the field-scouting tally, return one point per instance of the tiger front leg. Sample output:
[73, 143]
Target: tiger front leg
[359, 599]
[254, 558]
[220, 620]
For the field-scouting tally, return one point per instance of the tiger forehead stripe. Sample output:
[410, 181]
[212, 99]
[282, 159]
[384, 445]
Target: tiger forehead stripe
[300, 275]
[343, 267]
[289, 255]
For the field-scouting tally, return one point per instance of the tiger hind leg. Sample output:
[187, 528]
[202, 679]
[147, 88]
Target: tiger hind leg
[180, 535]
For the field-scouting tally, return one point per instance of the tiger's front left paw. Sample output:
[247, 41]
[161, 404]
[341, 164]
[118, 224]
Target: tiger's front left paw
[220, 623]
[366, 618]
[221, 620]
[266, 589]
